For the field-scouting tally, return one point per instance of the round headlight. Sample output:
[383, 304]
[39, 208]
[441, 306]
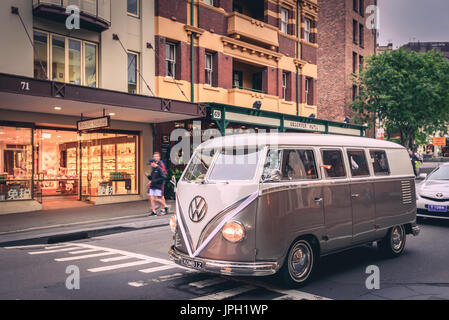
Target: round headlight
[173, 223]
[233, 231]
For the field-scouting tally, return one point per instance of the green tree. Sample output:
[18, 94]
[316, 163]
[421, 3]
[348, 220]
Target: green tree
[407, 91]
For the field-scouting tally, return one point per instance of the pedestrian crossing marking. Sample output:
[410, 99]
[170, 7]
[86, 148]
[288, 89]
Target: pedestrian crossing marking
[139, 259]
[156, 269]
[227, 293]
[87, 256]
[116, 259]
[207, 282]
[52, 251]
[119, 266]
[83, 251]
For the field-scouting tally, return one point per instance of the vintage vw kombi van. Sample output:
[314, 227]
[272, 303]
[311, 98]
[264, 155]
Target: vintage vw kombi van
[258, 204]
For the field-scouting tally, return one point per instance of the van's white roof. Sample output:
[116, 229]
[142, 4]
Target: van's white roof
[305, 139]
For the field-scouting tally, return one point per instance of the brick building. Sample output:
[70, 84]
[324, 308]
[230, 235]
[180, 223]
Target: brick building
[243, 52]
[344, 42]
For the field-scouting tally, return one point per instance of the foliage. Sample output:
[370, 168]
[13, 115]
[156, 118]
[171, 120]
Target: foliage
[407, 91]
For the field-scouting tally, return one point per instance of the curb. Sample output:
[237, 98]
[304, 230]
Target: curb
[74, 235]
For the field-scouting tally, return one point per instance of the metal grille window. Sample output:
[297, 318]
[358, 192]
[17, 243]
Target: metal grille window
[307, 29]
[170, 60]
[284, 20]
[209, 69]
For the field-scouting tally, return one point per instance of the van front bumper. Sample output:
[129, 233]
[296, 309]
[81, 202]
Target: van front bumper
[231, 268]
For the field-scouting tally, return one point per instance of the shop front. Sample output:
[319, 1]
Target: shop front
[49, 161]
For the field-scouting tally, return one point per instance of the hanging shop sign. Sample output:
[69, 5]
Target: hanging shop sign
[96, 123]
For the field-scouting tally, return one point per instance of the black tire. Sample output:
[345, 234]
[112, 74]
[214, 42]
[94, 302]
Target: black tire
[393, 244]
[300, 263]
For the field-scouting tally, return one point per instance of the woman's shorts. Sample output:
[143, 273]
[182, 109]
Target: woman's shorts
[155, 193]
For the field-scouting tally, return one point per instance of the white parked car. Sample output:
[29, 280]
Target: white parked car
[432, 195]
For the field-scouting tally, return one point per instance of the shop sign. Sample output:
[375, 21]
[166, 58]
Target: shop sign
[96, 123]
[439, 141]
[304, 126]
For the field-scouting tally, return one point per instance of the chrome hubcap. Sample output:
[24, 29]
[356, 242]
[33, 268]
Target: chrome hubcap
[300, 262]
[397, 237]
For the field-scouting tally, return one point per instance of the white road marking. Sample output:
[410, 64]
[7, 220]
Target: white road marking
[119, 266]
[26, 247]
[137, 284]
[116, 259]
[227, 293]
[156, 269]
[207, 282]
[83, 251]
[87, 256]
[289, 294]
[52, 251]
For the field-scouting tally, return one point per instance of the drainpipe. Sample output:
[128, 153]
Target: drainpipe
[192, 78]
[297, 57]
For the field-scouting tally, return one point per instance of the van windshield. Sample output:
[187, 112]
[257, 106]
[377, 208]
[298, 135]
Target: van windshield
[198, 167]
[235, 164]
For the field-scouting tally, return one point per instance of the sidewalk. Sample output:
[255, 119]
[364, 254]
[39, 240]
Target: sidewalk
[21, 225]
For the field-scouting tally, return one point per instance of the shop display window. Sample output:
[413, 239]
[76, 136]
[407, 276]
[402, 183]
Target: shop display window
[16, 163]
[108, 164]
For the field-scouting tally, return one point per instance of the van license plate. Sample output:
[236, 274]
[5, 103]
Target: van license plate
[437, 208]
[192, 263]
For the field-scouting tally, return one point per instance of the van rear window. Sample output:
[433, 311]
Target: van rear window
[380, 162]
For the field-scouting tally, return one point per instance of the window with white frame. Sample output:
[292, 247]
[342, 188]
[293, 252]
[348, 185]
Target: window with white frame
[170, 60]
[209, 2]
[284, 85]
[133, 69]
[209, 69]
[309, 91]
[307, 29]
[65, 59]
[284, 20]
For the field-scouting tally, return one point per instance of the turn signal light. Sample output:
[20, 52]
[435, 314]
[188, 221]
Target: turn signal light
[233, 231]
[173, 223]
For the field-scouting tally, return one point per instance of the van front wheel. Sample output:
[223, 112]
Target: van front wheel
[299, 264]
[394, 243]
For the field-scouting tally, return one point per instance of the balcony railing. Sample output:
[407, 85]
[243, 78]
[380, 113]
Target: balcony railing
[94, 14]
[242, 26]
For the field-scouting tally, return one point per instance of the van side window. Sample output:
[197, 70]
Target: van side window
[334, 165]
[358, 163]
[380, 162]
[298, 165]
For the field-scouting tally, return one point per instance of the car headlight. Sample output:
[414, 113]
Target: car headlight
[233, 231]
[173, 223]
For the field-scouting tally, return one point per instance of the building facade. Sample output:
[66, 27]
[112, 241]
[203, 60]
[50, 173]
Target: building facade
[58, 70]
[238, 53]
[442, 47]
[344, 41]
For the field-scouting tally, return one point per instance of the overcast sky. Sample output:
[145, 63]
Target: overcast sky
[403, 21]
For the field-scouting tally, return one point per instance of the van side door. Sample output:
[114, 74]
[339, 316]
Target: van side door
[336, 199]
[362, 197]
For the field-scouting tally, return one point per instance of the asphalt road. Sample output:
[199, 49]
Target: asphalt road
[134, 265]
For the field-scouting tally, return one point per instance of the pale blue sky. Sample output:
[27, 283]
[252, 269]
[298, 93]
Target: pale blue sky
[403, 21]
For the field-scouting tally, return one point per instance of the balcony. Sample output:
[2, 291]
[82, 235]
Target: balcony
[95, 15]
[246, 28]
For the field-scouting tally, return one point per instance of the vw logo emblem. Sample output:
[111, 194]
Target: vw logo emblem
[439, 195]
[197, 209]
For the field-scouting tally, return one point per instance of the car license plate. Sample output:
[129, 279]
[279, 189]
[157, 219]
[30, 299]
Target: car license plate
[436, 208]
[192, 263]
